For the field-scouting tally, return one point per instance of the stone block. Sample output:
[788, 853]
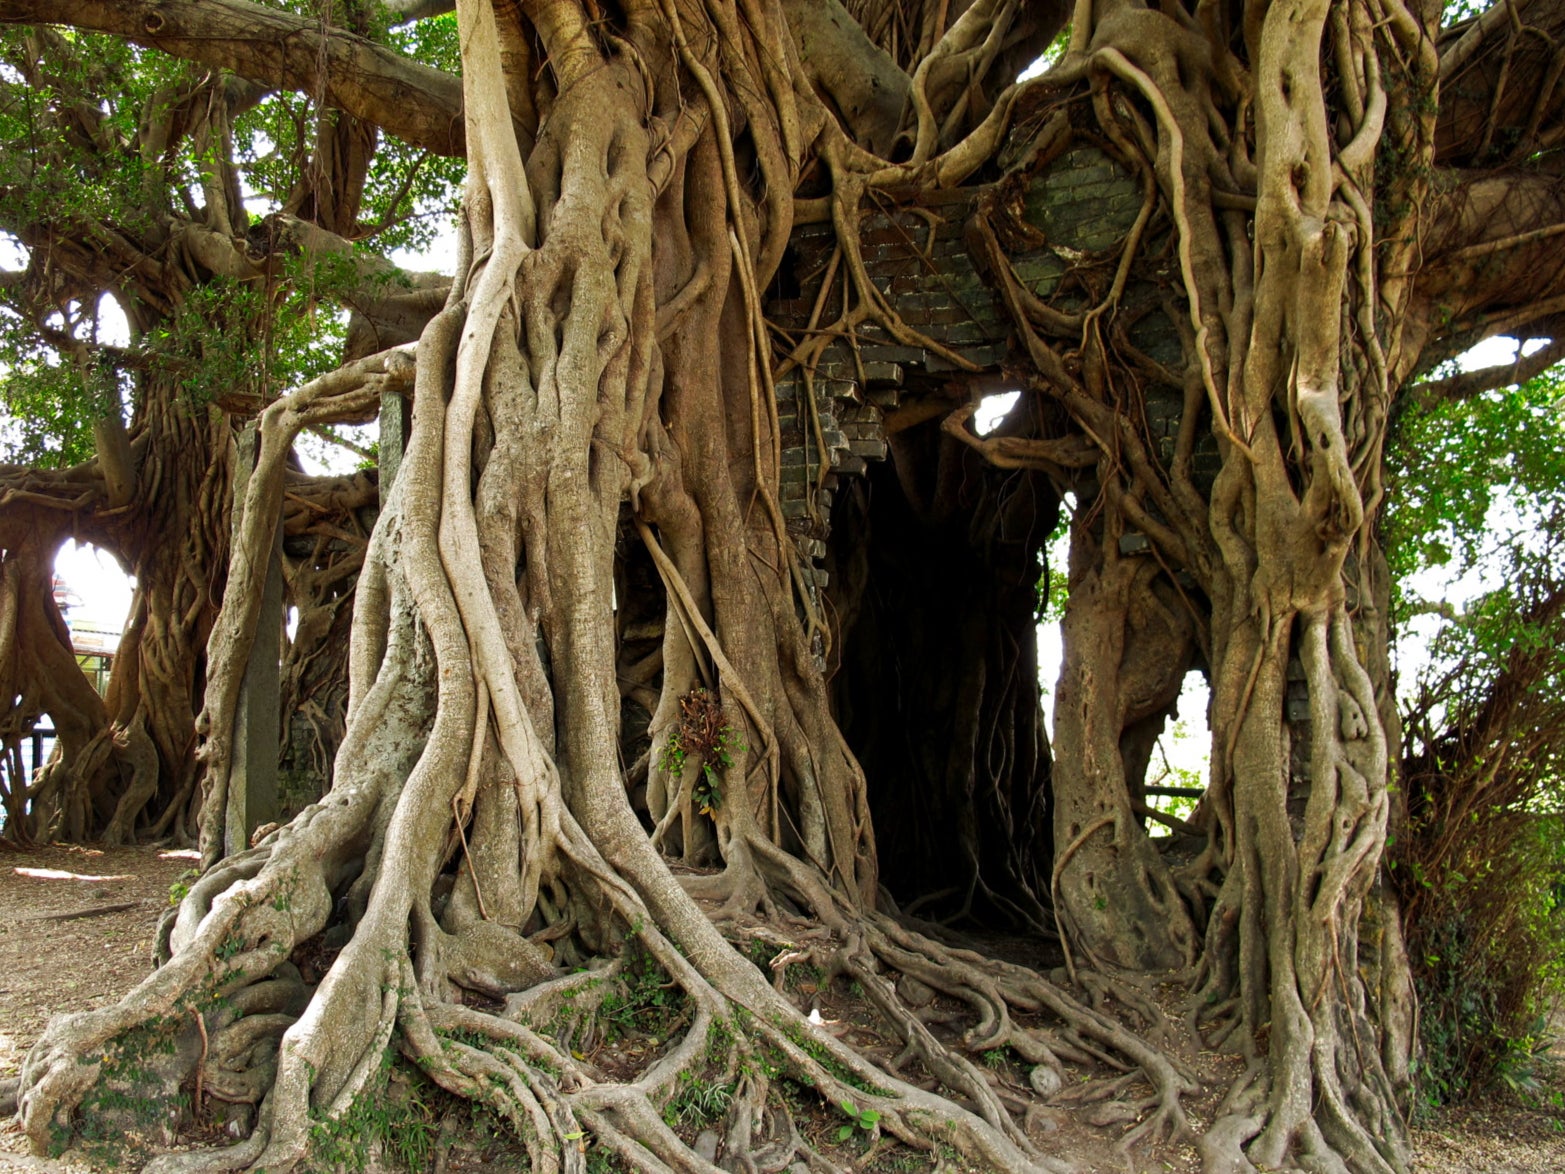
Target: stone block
[982, 356]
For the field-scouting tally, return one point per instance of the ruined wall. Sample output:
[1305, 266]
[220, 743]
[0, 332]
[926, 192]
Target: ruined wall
[1083, 204]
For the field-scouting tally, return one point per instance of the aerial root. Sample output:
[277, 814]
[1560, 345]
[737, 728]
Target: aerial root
[537, 1060]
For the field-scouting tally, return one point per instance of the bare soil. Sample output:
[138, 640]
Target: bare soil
[76, 931]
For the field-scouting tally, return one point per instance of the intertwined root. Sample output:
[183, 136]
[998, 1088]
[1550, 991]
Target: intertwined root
[633, 1054]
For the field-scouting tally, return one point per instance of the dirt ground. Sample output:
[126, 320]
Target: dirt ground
[76, 930]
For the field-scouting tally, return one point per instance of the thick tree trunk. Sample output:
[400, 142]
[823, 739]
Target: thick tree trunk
[1129, 639]
[177, 534]
[41, 677]
[602, 343]
[125, 764]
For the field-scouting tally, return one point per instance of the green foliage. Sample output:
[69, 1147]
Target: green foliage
[1485, 987]
[180, 889]
[1480, 868]
[1481, 871]
[1171, 774]
[775, 1065]
[50, 425]
[704, 733]
[397, 1114]
[864, 1119]
[645, 1001]
[233, 338]
[1451, 463]
[1460, 11]
[761, 954]
[1054, 577]
[698, 1103]
[126, 1100]
[108, 163]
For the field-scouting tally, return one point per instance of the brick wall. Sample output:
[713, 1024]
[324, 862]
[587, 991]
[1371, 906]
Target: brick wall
[1083, 203]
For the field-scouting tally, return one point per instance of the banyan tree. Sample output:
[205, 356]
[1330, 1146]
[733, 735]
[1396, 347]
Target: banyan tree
[696, 623]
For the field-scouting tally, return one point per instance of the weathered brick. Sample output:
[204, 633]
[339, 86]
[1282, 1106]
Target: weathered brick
[982, 356]
[934, 300]
[949, 314]
[882, 372]
[900, 251]
[829, 389]
[877, 231]
[970, 333]
[871, 449]
[900, 264]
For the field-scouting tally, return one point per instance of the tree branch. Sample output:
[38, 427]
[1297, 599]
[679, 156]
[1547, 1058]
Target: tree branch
[419, 105]
[407, 11]
[1491, 261]
[1499, 84]
[1471, 383]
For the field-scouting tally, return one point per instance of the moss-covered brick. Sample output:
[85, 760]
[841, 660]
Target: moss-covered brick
[1083, 201]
